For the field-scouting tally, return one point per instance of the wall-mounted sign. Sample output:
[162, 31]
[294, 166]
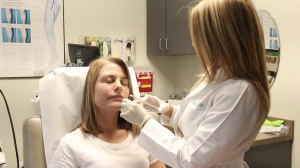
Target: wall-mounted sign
[31, 38]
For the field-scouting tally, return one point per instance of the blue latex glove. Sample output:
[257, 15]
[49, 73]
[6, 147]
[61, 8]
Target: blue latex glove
[133, 112]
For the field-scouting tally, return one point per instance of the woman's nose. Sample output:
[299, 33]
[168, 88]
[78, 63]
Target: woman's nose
[118, 86]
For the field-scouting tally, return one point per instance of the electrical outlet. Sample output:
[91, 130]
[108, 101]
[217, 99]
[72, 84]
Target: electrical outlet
[35, 94]
[81, 39]
[21, 165]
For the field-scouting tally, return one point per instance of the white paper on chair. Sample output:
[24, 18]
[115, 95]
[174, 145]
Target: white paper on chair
[60, 101]
[135, 87]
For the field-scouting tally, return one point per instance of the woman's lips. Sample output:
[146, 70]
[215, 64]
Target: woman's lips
[119, 97]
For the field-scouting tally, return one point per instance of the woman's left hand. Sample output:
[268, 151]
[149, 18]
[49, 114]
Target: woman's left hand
[133, 112]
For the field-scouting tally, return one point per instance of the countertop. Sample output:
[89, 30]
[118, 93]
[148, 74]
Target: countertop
[264, 139]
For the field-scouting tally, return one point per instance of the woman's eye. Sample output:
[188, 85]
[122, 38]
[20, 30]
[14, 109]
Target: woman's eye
[124, 82]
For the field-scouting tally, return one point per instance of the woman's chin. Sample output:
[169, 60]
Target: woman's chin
[116, 106]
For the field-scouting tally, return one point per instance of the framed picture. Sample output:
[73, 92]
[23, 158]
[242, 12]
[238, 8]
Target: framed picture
[32, 38]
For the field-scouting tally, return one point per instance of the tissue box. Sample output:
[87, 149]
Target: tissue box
[284, 130]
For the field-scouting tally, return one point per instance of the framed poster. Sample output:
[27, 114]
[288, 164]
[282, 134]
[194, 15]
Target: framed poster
[31, 38]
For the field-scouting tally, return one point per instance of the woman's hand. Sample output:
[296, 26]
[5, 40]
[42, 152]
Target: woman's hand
[133, 112]
[155, 101]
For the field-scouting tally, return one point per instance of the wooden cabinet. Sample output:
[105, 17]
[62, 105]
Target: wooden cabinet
[168, 28]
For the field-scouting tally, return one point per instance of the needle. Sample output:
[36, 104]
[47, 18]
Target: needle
[143, 102]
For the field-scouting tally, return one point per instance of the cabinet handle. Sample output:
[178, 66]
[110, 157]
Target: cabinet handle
[160, 45]
[167, 43]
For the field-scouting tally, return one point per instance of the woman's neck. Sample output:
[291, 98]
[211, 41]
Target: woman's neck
[108, 120]
[109, 124]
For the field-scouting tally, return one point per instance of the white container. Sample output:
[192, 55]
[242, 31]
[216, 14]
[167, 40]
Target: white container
[174, 102]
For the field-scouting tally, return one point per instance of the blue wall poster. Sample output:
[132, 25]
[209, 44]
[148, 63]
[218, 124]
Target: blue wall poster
[31, 38]
[270, 30]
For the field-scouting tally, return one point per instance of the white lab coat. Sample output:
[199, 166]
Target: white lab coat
[214, 127]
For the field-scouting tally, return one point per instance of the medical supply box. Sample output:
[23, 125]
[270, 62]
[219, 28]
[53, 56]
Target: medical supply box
[144, 77]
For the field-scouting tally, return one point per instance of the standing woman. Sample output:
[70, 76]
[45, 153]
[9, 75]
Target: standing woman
[218, 121]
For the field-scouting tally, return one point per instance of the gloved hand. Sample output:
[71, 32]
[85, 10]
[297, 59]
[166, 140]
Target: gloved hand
[133, 112]
[155, 101]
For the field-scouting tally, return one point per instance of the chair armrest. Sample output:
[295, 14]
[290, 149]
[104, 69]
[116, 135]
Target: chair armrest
[33, 146]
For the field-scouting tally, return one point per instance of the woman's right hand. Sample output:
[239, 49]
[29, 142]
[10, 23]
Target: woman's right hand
[155, 101]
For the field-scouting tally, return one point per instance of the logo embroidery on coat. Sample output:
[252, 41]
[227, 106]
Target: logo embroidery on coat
[197, 104]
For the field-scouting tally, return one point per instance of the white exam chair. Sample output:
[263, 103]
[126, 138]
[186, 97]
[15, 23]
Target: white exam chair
[60, 101]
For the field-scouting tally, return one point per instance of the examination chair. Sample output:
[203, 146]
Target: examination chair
[33, 146]
[55, 112]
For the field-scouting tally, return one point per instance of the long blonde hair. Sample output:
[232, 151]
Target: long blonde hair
[89, 123]
[229, 32]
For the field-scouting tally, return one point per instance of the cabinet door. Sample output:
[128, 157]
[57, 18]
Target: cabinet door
[156, 28]
[178, 38]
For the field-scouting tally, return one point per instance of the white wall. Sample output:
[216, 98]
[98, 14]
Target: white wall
[187, 71]
[117, 18]
[113, 18]
[285, 91]
[18, 93]
[121, 18]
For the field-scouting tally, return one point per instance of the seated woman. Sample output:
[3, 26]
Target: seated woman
[103, 139]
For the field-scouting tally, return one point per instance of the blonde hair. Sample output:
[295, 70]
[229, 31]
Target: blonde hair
[89, 122]
[229, 32]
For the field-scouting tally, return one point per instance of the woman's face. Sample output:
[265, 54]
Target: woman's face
[110, 88]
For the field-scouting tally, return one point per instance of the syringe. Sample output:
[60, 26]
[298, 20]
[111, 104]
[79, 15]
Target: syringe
[144, 102]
